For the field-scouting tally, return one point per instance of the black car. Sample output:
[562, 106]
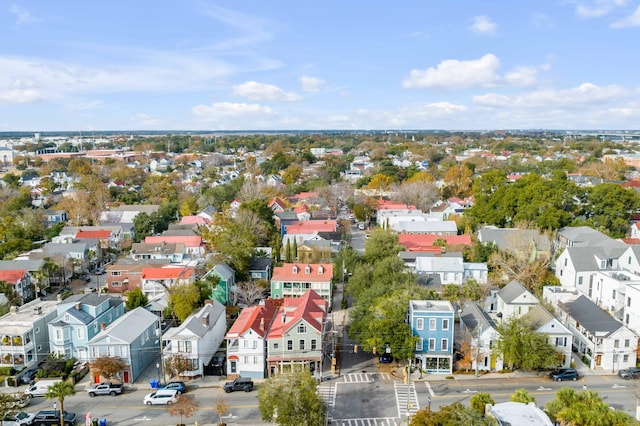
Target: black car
[629, 373]
[241, 383]
[386, 358]
[564, 374]
[28, 376]
[176, 385]
[52, 418]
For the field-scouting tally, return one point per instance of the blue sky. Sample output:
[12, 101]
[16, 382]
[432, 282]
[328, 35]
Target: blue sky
[255, 64]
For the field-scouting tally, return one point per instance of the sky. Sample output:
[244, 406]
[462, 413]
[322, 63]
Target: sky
[318, 65]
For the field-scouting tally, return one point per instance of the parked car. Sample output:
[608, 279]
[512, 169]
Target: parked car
[361, 226]
[241, 383]
[386, 358]
[161, 397]
[28, 376]
[629, 373]
[17, 418]
[52, 417]
[178, 386]
[41, 387]
[564, 374]
[112, 389]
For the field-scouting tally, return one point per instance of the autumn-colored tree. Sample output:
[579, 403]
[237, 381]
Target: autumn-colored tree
[108, 367]
[458, 180]
[136, 298]
[291, 174]
[422, 194]
[186, 406]
[380, 184]
[221, 407]
[183, 299]
[176, 364]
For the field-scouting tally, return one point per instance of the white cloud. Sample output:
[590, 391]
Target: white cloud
[521, 76]
[598, 8]
[581, 96]
[311, 84]
[264, 92]
[630, 21]
[22, 15]
[21, 96]
[456, 74]
[147, 119]
[483, 25]
[228, 109]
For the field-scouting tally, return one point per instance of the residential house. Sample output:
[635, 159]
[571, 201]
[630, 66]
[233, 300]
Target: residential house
[513, 300]
[296, 334]
[436, 227]
[425, 242]
[305, 230]
[284, 219]
[198, 337]
[157, 281]
[602, 341]
[479, 331]
[134, 337]
[194, 247]
[25, 334]
[260, 268]
[173, 252]
[20, 280]
[432, 321]
[576, 265]
[517, 413]
[247, 343]
[277, 205]
[315, 250]
[449, 268]
[79, 318]
[105, 237]
[559, 336]
[582, 236]
[514, 239]
[295, 279]
[123, 215]
[126, 274]
[224, 278]
[35, 268]
[52, 217]
[113, 240]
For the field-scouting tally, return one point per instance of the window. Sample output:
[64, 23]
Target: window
[565, 261]
[37, 330]
[613, 295]
[80, 333]
[123, 351]
[445, 324]
[275, 345]
[301, 344]
[116, 284]
[58, 334]
[561, 341]
[115, 273]
[629, 260]
[445, 345]
[302, 329]
[626, 319]
[234, 368]
[95, 353]
[419, 345]
[432, 344]
[314, 344]
[625, 358]
[112, 351]
[276, 286]
[616, 343]
[579, 280]
[255, 344]
[420, 324]
[432, 323]
[256, 359]
[626, 343]
[628, 302]
[289, 345]
[185, 346]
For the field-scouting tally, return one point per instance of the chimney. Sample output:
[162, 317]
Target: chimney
[13, 309]
[77, 306]
[205, 320]
[208, 302]
[103, 325]
[262, 323]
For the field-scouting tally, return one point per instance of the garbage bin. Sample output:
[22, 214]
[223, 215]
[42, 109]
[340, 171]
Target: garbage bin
[155, 384]
[103, 422]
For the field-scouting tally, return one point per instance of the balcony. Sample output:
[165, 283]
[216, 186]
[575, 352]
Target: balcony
[8, 340]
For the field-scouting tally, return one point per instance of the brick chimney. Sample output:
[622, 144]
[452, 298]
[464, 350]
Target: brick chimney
[103, 325]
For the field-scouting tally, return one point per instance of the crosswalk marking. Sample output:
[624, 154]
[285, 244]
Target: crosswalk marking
[406, 398]
[328, 394]
[375, 421]
[429, 389]
[365, 377]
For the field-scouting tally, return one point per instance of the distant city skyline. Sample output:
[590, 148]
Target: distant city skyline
[254, 65]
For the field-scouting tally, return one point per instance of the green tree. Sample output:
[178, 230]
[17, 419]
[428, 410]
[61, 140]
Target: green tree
[183, 299]
[291, 400]
[521, 346]
[287, 256]
[291, 174]
[59, 391]
[479, 401]
[234, 241]
[584, 409]
[136, 298]
[381, 244]
[472, 290]
[454, 414]
[608, 206]
[522, 395]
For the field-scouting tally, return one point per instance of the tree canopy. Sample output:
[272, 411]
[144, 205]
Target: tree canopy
[521, 346]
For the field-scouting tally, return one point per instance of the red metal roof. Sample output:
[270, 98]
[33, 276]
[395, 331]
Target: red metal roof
[166, 273]
[257, 318]
[99, 234]
[305, 273]
[12, 276]
[310, 308]
[414, 241]
[311, 226]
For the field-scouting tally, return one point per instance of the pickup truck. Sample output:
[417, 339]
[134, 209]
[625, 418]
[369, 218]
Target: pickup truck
[112, 389]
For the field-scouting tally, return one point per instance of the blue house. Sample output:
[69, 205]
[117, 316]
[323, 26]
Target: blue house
[79, 318]
[432, 321]
[134, 337]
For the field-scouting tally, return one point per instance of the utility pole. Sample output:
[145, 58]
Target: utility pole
[478, 349]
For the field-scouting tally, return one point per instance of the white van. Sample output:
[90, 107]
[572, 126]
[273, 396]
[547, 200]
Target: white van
[162, 397]
[41, 387]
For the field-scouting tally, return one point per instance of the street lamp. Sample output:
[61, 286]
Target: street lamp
[478, 349]
[613, 364]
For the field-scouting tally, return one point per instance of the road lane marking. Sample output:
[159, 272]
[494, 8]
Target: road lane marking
[429, 389]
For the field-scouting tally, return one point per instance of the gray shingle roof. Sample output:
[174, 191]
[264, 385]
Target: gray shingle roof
[128, 327]
[194, 323]
[590, 316]
[505, 238]
[512, 290]
[472, 316]
[538, 316]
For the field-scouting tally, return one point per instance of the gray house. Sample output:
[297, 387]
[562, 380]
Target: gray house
[80, 318]
[132, 337]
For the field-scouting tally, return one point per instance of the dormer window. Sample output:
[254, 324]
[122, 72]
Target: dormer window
[307, 270]
[320, 270]
[294, 269]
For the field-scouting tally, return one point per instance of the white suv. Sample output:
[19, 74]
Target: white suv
[162, 397]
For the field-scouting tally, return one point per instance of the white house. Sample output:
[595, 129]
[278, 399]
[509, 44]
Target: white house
[514, 300]
[475, 322]
[560, 337]
[198, 337]
[246, 341]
